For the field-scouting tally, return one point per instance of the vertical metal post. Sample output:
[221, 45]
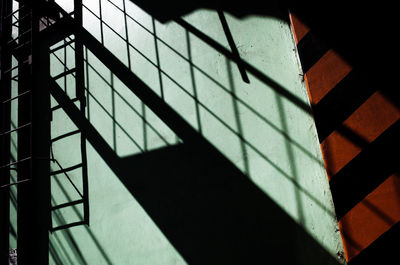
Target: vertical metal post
[34, 196]
[5, 116]
[24, 192]
[41, 145]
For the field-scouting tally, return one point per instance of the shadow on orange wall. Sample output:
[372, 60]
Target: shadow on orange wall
[358, 123]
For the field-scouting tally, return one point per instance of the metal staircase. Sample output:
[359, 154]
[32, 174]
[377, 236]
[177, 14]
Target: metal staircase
[26, 39]
[34, 118]
[20, 47]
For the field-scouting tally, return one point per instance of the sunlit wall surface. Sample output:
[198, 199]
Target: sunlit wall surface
[269, 135]
[14, 142]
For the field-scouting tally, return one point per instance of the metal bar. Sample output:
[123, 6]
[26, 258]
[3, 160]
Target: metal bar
[21, 45]
[22, 18]
[16, 162]
[15, 67]
[10, 70]
[16, 129]
[15, 183]
[98, 142]
[19, 36]
[20, 95]
[34, 201]
[11, 14]
[5, 116]
[26, 196]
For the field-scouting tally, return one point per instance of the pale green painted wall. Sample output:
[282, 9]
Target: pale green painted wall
[14, 157]
[279, 151]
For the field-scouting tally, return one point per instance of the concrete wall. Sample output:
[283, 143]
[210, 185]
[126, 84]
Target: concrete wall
[268, 136]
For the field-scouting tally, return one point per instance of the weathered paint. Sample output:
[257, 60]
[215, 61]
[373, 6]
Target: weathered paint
[270, 139]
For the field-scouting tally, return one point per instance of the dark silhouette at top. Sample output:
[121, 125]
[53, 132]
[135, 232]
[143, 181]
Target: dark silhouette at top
[361, 33]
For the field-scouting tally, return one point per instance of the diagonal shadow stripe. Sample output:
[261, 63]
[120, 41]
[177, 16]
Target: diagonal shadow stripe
[248, 67]
[198, 198]
[204, 204]
[310, 49]
[366, 171]
[341, 101]
[383, 250]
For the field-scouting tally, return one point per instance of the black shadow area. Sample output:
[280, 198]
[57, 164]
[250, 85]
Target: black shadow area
[207, 208]
[212, 213]
[362, 33]
[366, 171]
[383, 250]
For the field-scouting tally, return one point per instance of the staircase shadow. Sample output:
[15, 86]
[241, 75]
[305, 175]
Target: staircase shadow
[212, 213]
[208, 209]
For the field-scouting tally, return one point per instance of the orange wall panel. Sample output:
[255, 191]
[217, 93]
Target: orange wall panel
[325, 74]
[378, 211]
[369, 121]
[371, 217]
[299, 28]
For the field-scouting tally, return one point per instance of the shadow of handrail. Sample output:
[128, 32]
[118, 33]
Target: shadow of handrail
[243, 141]
[230, 55]
[251, 69]
[241, 205]
[216, 82]
[172, 119]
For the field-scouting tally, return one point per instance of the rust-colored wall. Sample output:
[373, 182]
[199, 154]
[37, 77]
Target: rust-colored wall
[357, 124]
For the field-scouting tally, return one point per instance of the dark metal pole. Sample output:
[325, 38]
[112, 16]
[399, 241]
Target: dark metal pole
[34, 196]
[41, 147]
[25, 194]
[5, 111]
